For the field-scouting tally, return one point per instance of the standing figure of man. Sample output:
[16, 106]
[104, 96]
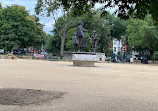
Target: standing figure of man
[81, 36]
[94, 41]
[75, 42]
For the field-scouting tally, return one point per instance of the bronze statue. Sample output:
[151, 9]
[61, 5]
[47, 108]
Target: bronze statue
[81, 36]
[75, 42]
[94, 40]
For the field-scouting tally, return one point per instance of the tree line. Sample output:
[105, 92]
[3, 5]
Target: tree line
[139, 26]
[19, 29]
[139, 34]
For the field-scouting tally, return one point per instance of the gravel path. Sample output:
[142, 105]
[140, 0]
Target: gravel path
[107, 87]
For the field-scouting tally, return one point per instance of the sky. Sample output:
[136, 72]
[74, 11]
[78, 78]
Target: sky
[30, 5]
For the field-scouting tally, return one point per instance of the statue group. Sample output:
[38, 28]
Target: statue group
[79, 40]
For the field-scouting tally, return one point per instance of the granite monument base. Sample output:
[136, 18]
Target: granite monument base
[99, 57]
[84, 59]
[83, 63]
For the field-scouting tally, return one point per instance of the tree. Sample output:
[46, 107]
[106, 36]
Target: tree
[91, 23]
[155, 56]
[102, 27]
[40, 34]
[118, 27]
[0, 5]
[142, 34]
[49, 8]
[124, 8]
[17, 30]
[52, 44]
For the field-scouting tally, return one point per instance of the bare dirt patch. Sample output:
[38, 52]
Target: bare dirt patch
[23, 97]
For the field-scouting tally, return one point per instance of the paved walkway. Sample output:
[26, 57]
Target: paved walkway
[108, 87]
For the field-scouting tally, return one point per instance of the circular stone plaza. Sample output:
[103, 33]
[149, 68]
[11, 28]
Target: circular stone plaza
[34, 85]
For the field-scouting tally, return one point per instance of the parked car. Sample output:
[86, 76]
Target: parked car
[140, 57]
[144, 60]
[19, 52]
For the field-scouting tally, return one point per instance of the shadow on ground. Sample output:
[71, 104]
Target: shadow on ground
[10, 96]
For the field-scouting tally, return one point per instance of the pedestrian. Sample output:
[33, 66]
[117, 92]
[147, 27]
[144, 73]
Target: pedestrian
[115, 58]
[131, 59]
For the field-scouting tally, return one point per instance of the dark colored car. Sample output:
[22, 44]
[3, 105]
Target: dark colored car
[19, 52]
[144, 60]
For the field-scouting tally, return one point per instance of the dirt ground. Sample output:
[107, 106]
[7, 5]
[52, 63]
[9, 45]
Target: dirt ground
[106, 87]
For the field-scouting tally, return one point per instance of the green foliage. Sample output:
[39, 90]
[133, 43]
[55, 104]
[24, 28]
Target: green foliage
[16, 30]
[91, 23]
[0, 5]
[69, 36]
[155, 56]
[119, 28]
[48, 8]
[124, 8]
[110, 51]
[53, 44]
[59, 25]
[142, 34]
[39, 6]
[102, 27]
[97, 23]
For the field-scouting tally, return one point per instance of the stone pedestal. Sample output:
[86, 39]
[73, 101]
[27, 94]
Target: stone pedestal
[84, 59]
[84, 63]
[100, 57]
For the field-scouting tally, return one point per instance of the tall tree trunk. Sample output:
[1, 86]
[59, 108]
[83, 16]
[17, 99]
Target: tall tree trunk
[63, 37]
[62, 43]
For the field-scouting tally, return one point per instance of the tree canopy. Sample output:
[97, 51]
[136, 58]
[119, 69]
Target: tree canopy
[90, 22]
[18, 29]
[143, 34]
[124, 8]
[0, 5]
[118, 28]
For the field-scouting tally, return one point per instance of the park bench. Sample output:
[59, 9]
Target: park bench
[53, 58]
